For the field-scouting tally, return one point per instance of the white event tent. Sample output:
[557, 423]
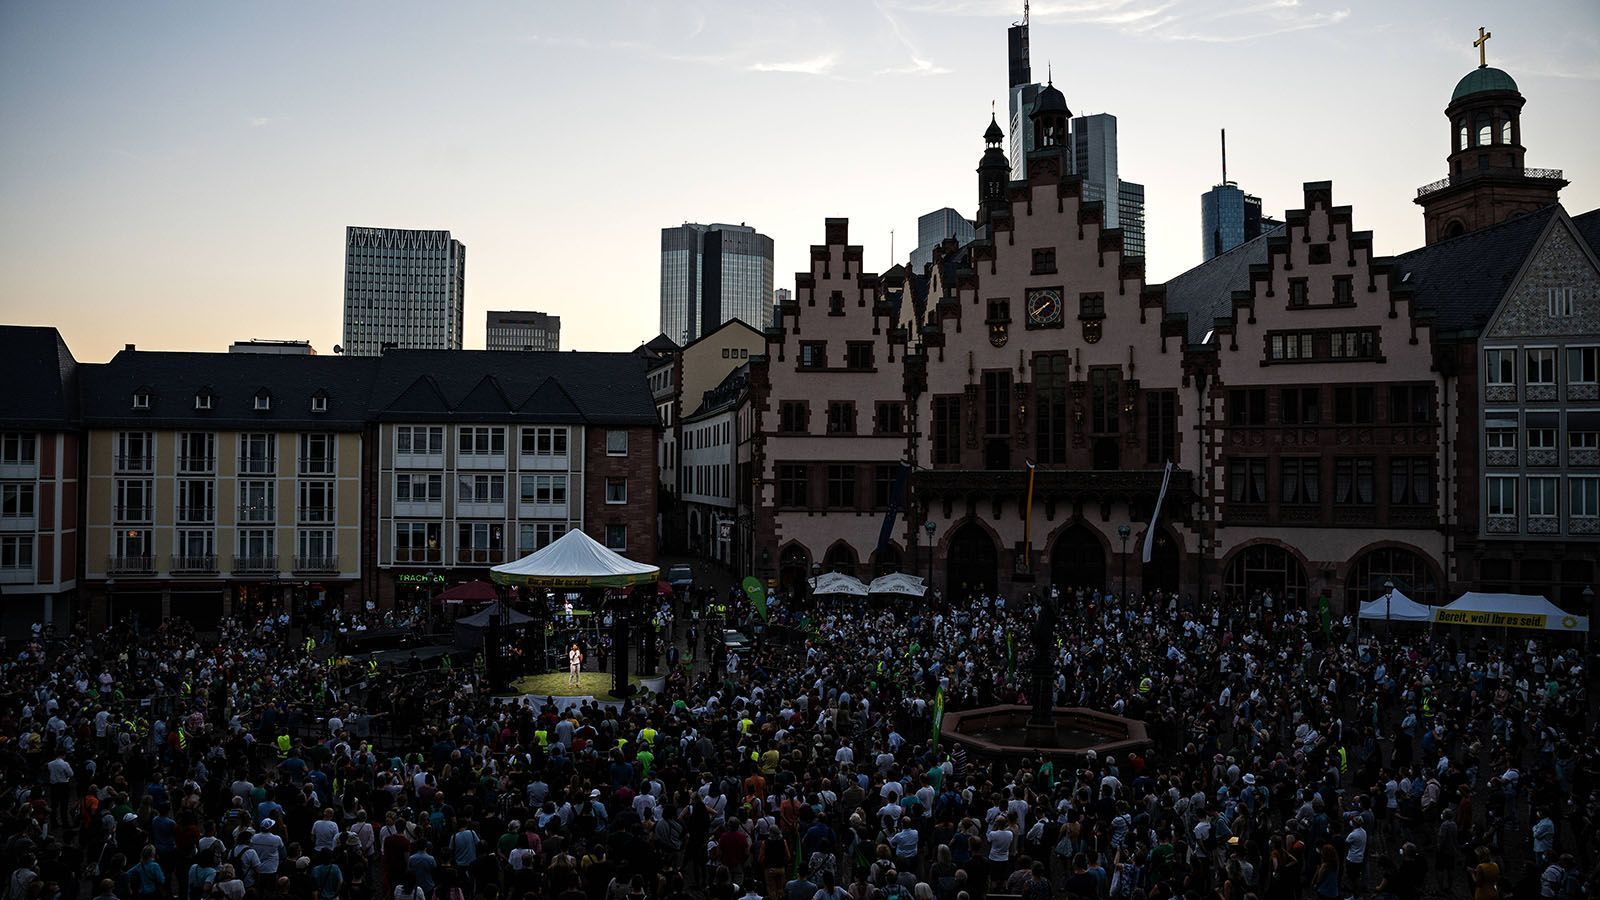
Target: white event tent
[1510, 611]
[577, 561]
[1393, 606]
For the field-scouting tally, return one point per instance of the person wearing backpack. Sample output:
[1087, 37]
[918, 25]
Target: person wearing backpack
[1561, 879]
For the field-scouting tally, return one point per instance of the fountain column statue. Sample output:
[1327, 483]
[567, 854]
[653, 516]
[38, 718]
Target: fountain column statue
[1041, 688]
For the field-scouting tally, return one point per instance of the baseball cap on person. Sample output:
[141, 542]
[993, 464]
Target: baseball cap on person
[268, 824]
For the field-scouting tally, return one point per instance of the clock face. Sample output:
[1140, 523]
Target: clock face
[1044, 307]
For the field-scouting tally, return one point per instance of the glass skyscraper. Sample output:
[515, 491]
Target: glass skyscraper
[1228, 218]
[1094, 158]
[711, 274]
[402, 289]
[933, 228]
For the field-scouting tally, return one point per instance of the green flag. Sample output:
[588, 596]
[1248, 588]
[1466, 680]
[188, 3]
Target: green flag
[1325, 614]
[938, 715]
[1011, 657]
[757, 595]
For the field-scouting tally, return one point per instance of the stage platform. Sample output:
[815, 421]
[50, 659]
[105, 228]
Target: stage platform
[591, 686]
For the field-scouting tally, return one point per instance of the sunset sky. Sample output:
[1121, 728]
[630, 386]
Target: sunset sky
[179, 176]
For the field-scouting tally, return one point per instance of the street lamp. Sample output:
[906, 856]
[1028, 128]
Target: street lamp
[1388, 598]
[1123, 531]
[930, 527]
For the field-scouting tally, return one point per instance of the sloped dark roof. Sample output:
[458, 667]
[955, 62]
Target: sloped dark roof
[595, 388]
[1589, 226]
[1461, 281]
[659, 345]
[233, 379]
[1205, 292]
[728, 392]
[40, 378]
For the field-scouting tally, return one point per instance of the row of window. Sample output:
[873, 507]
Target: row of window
[794, 416]
[1407, 404]
[1541, 493]
[1485, 134]
[699, 437]
[707, 480]
[422, 487]
[196, 548]
[1539, 365]
[1343, 285]
[841, 484]
[1539, 438]
[490, 440]
[421, 542]
[857, 355]
[19, 448]
[1322, 345]
[205, 399]
[1300, 481]
[197, 452]
[135, 500]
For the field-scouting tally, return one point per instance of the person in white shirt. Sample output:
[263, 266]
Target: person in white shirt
[324, 831]
[268, 847]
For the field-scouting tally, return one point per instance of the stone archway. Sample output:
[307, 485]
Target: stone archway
[887, 561]
[841, 558]
[1078, 560]
[972, 564]
[794, 569]
[1165, 567]
[1268, 568]
[1413, 574]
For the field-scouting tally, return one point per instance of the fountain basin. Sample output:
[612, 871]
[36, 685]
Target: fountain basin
[1006, 731]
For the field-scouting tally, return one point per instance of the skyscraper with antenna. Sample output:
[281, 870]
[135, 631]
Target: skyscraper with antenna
[1021, 91]
[1229, 216]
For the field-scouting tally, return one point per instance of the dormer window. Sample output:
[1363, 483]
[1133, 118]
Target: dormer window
[263, 401]
[319, 402]
[202, 400]
[141, 399]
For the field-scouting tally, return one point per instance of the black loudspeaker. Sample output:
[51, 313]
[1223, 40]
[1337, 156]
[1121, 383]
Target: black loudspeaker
[620, 639]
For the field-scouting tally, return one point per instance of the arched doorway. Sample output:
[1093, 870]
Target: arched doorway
[1266, 568]
[1411, 573]
[1078, 560]
[841, 558]
[887, 561]
[794, 568]
[972, 563]
[1162, 571]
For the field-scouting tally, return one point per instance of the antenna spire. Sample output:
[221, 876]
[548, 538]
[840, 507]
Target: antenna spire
[1024, 12]
[1224, 156]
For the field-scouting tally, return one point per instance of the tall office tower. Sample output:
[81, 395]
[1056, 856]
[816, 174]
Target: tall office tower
[1021, 91]
[780, 296]
[1228, 216]
[517, 330]
[713, 273]
[1094, 158]
[933, 229]
[402, 289]
[1130, 217]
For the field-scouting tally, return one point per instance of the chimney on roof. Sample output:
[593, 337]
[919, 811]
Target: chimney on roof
[129, 347]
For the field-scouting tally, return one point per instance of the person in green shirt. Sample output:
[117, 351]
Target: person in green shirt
[645, 758]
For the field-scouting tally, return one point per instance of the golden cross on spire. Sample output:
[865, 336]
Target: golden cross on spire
[1482, 44]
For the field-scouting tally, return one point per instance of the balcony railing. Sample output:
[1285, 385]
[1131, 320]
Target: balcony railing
[418, 555]
[316, 563]
[197, 515]
[316, 465]
[120, 565]
[133, 513]
[257, 465]
[194, 563]
[142, 462]
[197, 465]
[480, 557]
[1490, 172]
[316, 515]
[242, 564]
[258, 513]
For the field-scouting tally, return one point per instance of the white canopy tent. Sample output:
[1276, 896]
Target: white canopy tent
[838, 583]
[898, 583]
[575, 560]
[1510, 611]
[1393, 606]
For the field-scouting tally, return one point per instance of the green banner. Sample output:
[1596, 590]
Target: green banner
[757, 594]
[938, 716]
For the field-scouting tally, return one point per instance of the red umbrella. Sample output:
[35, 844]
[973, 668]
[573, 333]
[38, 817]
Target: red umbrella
[664, 588]
[469, 592]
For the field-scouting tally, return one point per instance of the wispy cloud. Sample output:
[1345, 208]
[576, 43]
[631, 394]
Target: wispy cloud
[1210, 21]
[816, 65]
[257, 121]
[918, 64]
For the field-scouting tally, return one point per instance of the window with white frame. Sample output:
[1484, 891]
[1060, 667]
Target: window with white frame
[1583, 440]
[616, 490]
[135, 451]
[196, 545]
[1583, 496]
[544, 441]
[1501, 438]
[617, 538]
[416, 541]
[419, 439]
[16, 500]
[1500, 366]
[133, 543]
[543, 489]
[478, 536]
[319, 403]
[1541, 439]
[203, 400]
[616, 442]
[258, 453]
[315, 546]
[1542, 496]
[16, 551]
[135, 499]
[18, 448]
[141, 400]
[416, 487]
[197, 452]
[481, 489]
[263, 401]
[258, 500]
[533, 536]
[317, 454]
[1583, 364]
[1541, 365]
[1561, 301]
[481, 440]
[257, 546]
[197, 500]
[316, 502]
[1501, 495]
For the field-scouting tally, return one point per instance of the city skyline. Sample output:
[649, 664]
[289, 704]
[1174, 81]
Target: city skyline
[226, 184]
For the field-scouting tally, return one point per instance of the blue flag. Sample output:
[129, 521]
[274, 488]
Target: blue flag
[897, 495]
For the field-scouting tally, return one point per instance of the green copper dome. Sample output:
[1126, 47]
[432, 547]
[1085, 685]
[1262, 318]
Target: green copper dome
[1483, 80]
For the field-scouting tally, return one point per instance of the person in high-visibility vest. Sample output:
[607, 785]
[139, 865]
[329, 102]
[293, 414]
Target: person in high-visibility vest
[311, 644]
[284, 745]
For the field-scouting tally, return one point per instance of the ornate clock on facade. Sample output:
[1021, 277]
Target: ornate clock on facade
[1044, 307]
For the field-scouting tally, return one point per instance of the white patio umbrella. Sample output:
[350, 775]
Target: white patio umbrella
[838, 583]
[898, 583]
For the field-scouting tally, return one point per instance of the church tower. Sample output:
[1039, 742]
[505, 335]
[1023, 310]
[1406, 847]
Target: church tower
[1051, 142]
[1488, 182]
[994, 171]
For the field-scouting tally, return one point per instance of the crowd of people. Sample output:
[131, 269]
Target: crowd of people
[1287, 760]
